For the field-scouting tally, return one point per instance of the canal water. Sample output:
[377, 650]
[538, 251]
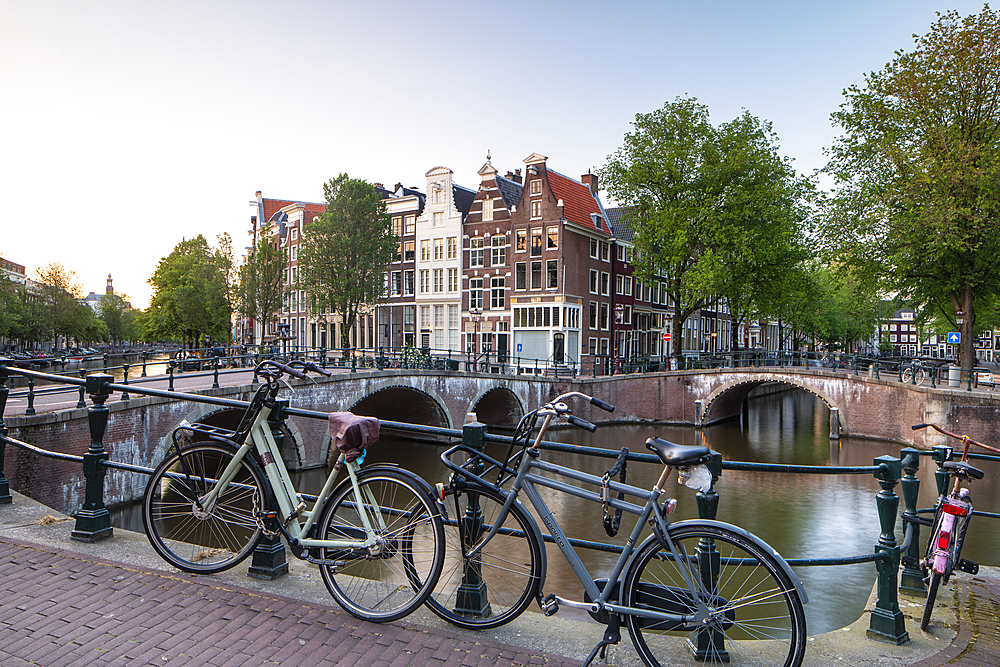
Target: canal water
[802, 516]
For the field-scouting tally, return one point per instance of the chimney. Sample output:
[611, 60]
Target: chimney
[590, 180]
[517, 176]
[399, 186]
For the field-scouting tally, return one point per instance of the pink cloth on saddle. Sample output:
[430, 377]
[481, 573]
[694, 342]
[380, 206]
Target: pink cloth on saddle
[352, 434]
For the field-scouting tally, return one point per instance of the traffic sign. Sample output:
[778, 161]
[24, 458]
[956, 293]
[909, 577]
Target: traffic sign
[519, 348]
[666, 336]
[954, 337]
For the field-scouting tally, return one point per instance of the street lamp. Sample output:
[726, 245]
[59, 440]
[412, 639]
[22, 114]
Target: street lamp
[476, 314]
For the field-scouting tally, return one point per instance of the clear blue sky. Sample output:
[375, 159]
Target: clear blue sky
[125, 126]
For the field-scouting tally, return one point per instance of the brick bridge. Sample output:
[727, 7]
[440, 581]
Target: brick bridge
[860, 406]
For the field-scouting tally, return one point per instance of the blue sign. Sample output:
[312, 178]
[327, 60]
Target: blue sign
[518, 347]
[954, 337]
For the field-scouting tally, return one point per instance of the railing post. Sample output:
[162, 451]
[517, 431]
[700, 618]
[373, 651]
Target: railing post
[144, 355]
[941, 454]
[472, 598]
[215, 372]
[887, 622]
[30, 410]
[711, 644]
[256, 361]
[170, 374]
[82, 403]
[5, 497]
[93, 522]
[125, 396]
[322, 356]
[354, 360]
[268, 561]
[911, 579]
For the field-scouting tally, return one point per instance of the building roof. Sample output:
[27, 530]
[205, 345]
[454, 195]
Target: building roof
[510, 191]
[463, 198]
[617, 218]
[580, 205]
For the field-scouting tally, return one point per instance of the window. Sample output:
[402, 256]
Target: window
[552, 238]
[604, 316]
[620, 251]
[295, 233]
[628, 285]
[409, 224]
[487, 210]
[520, 276]
[536, 242]
[295, 252]
[437, 219]
[476, 293]
[409, 252]
[593, 345]
[425, 250]
[394, 284]
[452, 280]
[453, 327]
[593, 315]
[552, 270]
[605, 251]
[536, 186]
[499, 255]
[438, 248]
[438, 280]
[452, 247]
[536, 275]
[627, 315]
[408, 282]
[497, 300]
[295, 275]
[619, 284]
[593, 248]
[476, 253]
[536, 208]
[605, 283]
[520, 240]
[425, 278]
[604, 346]
[397, 226]
[593, 281]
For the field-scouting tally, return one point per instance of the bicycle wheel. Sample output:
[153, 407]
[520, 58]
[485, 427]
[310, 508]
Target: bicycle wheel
[498, 584]
[388, 581]
[757, 616]
[907, 375]
[210, 539]
[932, 589]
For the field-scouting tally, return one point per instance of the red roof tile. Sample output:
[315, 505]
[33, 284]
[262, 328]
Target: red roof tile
[578, 200]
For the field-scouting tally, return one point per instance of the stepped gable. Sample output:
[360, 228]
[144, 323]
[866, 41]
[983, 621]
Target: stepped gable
[510, 191]
[579, 202]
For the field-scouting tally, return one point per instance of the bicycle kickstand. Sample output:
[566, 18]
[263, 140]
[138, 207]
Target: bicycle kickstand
[612, 635]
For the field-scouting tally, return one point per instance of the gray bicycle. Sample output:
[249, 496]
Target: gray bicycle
[693, 592]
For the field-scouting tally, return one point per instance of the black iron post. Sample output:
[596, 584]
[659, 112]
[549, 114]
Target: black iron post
[93, 522]
[215, 372]
[125, 396]
[82, 403]
[170, 375]
[941, 454]
[887, 622]
[31, 397]
[472, 598]
[144, 356]
[268, 560]
[711, 644]
[5, 497]
[911, 578]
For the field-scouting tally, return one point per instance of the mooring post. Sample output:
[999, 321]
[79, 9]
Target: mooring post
[911, 579]
[93, 522]
[5, 497]
[835, 423]
[887, 622]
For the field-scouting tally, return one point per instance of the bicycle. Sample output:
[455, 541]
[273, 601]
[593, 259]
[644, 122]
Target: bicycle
[951, 521]
[911, 375]
[377, 536]
[693, 591]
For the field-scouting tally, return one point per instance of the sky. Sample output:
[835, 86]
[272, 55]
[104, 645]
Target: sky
[127, 126]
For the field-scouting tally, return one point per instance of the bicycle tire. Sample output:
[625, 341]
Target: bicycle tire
[386, 585]
[932, 589]
[760, 619]
[194, 540]
[499, 584]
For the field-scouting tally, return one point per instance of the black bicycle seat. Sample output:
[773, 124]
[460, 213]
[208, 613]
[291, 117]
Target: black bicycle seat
[963, 469]
[678, 455]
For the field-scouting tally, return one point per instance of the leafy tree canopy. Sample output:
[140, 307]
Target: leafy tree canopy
[918, 172]
[261, 288]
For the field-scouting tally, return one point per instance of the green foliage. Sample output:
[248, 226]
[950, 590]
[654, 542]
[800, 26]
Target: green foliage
[717, 211]
[918, 170]
[344, 253]
[261, 287]
[119, 318]
[191, 290]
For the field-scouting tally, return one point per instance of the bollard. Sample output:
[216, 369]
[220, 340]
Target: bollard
[887, 622]
[911, 579]
[82, 403]
[472, 597]
[5, 497]
[93, 522]
[170, 374]
[31, 397]
[125, 396]
[215, 374]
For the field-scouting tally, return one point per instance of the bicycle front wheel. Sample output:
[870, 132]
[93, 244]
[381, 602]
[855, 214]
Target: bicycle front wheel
[756, 616]
[184, 529]
[390, 580]
[496, 585]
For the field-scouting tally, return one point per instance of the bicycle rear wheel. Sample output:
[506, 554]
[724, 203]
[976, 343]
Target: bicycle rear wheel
[203, 539]
[932, 589]
[390, 580]
[498, 584]
[756, 614]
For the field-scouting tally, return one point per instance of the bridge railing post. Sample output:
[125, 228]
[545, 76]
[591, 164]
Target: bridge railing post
[911, 579]
[5, 497]
[472, 596]
[125, 396]
[711, 643]
[93, 521]
[887, 622]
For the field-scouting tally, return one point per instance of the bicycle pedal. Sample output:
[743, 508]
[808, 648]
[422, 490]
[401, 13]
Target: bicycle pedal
[968, 566]
[550, 605]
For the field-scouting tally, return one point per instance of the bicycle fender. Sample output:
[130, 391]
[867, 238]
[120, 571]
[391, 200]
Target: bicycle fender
[785, 567]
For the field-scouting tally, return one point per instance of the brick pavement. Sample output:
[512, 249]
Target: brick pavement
[62, 609]
[978, 641]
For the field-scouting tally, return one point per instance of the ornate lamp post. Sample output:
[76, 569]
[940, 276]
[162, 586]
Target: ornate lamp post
[476, 314]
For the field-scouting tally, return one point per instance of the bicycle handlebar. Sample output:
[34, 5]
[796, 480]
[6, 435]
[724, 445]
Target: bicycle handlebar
[582, 423]
[966, 440]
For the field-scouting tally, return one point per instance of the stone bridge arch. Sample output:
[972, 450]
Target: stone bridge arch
[726, 399]
[402, 402]
[498, 406]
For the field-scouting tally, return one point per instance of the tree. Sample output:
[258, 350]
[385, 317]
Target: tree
[344, 253]
[918, 170]
[191, 294]
[261, 288]
[715, 209]
[61, 314]
[120, 318]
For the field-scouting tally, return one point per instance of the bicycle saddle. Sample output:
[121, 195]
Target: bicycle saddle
[963, 469]
[677, 456]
